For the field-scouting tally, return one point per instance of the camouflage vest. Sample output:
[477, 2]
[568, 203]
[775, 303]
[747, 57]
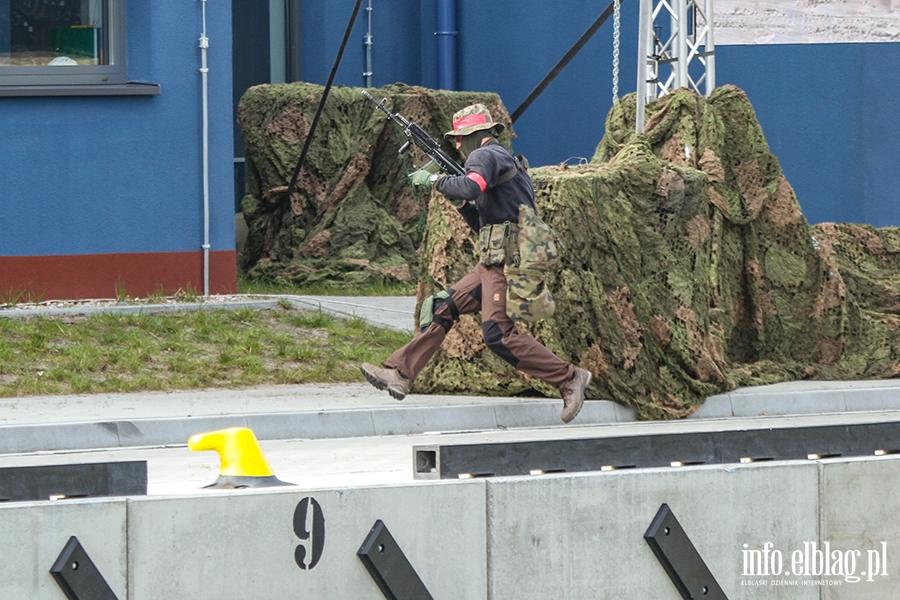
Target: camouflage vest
[497, 244]
[527, 296]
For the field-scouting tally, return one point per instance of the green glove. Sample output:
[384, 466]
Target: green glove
[426, 175]
[422, 177]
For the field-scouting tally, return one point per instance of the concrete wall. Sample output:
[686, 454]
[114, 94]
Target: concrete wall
[550, 536]
[582, 535]
[858, 511]
[34, 534]
[243, 545]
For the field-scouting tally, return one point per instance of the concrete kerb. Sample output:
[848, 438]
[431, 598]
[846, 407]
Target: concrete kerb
[803, 397]
[334, 415]
[136, 309]
[504, 413]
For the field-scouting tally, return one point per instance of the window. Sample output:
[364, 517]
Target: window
[62, 42]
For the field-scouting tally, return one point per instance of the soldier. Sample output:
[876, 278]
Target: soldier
[488, 197]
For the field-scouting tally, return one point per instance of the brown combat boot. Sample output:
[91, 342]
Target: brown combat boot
[573, 393]
[387, 379]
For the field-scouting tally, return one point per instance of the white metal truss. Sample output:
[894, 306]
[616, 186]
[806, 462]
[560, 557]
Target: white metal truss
[676, 54]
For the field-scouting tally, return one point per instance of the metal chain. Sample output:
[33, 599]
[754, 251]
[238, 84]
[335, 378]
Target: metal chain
[617, 19]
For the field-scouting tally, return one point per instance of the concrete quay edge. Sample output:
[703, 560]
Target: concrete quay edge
[332, 415]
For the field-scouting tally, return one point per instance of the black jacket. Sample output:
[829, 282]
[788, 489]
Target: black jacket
[493, 203]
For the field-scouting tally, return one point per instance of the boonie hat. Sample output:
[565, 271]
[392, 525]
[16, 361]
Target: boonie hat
[471, 119]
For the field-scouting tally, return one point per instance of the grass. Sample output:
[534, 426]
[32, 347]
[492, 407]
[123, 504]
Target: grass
[12, 297]
[185, 350]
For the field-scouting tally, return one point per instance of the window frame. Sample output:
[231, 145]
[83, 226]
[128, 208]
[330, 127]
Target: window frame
[111, 74]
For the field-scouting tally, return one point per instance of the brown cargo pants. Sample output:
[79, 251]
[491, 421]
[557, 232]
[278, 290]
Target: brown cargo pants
[483, 289]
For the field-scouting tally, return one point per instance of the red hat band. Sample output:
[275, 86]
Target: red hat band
[468, 120]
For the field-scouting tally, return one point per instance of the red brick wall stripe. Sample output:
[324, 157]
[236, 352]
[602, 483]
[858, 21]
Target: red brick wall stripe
[79, 276]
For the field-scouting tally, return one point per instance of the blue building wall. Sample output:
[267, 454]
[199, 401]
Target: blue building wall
[403, 44]
[510, 47]
[828, 113]
[825, 109]
[122, 174]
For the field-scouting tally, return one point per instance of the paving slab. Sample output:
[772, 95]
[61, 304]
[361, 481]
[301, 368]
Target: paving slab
[390, 312]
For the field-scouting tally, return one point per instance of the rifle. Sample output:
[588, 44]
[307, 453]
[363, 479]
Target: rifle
[416, 135]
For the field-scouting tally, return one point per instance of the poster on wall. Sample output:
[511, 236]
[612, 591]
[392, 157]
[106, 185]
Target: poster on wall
[749, 22]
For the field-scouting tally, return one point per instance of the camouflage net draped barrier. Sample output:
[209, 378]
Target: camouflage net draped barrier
[353, 217]
[688, 269]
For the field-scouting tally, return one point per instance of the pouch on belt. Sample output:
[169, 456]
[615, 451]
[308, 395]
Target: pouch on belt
[527, 296]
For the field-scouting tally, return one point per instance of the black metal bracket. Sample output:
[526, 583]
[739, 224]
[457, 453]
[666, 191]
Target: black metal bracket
[389, 567]
[497, 459]
[77, 575]
[680, 559]
[86, 480]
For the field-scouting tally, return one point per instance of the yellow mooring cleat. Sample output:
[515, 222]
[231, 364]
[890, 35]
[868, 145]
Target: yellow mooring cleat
[242, 463]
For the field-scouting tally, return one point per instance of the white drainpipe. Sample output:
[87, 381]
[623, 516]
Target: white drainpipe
[204, 76]
[367, 42]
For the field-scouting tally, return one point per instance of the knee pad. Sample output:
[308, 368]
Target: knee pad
[493, 339]
[430, 305]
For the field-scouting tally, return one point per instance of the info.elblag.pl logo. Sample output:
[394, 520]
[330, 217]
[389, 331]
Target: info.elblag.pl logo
[813, 565]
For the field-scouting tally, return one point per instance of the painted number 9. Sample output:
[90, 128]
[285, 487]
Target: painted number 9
[309, 526]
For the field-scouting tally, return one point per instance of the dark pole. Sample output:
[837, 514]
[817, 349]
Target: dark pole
[585, 37]
[446, 44]
[286, 203]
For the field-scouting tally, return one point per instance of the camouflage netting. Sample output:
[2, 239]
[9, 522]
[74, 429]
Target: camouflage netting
[353, 217]
[688, 270]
